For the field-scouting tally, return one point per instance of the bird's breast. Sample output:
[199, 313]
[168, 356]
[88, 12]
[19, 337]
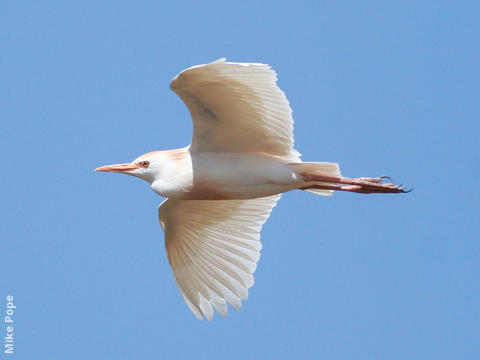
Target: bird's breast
[224, 176]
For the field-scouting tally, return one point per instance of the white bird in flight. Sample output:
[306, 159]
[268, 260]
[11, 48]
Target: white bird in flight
[221, 189]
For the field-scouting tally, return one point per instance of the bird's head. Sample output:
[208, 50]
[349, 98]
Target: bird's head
[146, 166]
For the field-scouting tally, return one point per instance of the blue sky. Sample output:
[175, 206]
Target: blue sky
[381, 88]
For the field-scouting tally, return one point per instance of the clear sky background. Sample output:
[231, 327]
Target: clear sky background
[381, 88]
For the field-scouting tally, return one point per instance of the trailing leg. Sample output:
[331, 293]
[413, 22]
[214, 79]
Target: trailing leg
[317, 178]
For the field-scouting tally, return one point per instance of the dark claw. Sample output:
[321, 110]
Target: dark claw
[383, 177]
[407, 191]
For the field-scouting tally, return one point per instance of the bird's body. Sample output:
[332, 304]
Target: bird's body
[222, 187]
[223, 176]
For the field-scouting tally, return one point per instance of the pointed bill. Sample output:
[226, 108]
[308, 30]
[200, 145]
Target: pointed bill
[121, 168]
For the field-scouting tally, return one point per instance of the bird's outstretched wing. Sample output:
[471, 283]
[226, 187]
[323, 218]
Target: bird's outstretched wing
[236, 107]
[213, 247]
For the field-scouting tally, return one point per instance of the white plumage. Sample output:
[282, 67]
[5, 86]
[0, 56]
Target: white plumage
[236, 107]
[213, 247]
[222, 188]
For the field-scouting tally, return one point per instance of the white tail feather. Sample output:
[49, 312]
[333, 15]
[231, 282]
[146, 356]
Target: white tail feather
[318, 168]
[320, 192]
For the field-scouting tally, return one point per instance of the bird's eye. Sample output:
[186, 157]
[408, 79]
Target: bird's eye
[145, 164]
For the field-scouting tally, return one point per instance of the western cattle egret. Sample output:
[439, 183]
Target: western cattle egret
[221, 189]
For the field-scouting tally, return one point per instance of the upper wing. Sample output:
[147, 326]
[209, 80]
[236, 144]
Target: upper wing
[236, 107]
[213, 247]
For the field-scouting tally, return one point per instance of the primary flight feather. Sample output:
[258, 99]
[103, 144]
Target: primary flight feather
[222, 188]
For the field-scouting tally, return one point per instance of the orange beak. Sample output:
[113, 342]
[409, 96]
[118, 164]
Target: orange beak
[120, 168]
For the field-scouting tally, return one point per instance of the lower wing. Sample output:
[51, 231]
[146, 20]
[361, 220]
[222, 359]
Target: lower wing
[213, 247]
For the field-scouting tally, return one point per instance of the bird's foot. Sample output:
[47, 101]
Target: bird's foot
[367, 185]
[362, 185]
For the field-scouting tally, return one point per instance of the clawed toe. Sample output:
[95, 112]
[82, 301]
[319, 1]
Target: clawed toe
[386, 177]
[375, 180]
[376, 185]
